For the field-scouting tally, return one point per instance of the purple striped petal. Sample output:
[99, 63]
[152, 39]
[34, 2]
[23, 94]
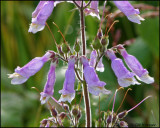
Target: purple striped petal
[21, 75]
[135, 66]
[124, 76]
[68, 92]
[131, 13]
[95, 86]
[92, 62]
[49, 86]
[40, 15]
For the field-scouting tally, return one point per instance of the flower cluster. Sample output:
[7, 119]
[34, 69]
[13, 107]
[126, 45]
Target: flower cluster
[95, 86]
[62, 119]
[45, 8]
[124, 76]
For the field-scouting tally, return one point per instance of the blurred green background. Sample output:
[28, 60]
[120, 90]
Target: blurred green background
[20, 105]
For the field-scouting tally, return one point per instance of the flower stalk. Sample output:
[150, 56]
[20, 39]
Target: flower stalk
[85, 89]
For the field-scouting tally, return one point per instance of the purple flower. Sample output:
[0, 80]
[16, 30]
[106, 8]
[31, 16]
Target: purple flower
[124, 76]
[131, 13]
[93, 10]
[40, 15]
[135, 66]
[21, 75]
[68, 92]
[95, 86]
[49, 86]
[93, 58]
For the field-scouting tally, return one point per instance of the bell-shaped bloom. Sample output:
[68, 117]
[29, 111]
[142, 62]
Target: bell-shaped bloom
[95, 86]
[21, 75]
[92, 62]
[135, 66]
[124, 76]
[49, 86]
[40, 15]
[131, 13]
[93, 10]
[68, 92]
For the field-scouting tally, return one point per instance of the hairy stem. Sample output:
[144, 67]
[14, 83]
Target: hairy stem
[85, 89]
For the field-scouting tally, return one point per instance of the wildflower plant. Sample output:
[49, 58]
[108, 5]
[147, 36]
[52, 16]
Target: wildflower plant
[81, 67]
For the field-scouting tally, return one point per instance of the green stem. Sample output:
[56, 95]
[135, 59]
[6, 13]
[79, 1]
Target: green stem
[85, 89]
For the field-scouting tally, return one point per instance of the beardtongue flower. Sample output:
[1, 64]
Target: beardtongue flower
[95, 86]
[92, 62]
[131, 13]
[21, 75]
[68, 92]
[40, 15]
[49, 86]
[93, 10]
[135, 66]
[124, 76]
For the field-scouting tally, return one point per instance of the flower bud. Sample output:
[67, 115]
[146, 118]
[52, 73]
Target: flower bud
[75, 111]
[105, 41]
[111, 119]
[77, 46]
[122, 114]
[79, 115]
[123, 124]
[54, 112]
[99, 34]
[108, 120]
[65, 48]
[60, 50]
[43, 123]
[66, 107]
[96, 44]
[106, 114]
[62, 115]
[114, 118]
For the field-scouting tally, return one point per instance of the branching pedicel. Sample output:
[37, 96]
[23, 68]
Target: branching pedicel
[89, 79]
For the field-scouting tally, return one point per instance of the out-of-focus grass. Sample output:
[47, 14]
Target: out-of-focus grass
[20, 104]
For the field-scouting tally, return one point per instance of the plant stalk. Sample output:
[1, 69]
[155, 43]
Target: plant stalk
[85, 89]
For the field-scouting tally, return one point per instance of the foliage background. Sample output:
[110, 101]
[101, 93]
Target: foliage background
[20, 104]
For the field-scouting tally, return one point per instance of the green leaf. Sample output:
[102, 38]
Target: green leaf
[141, 51]
[149, 31]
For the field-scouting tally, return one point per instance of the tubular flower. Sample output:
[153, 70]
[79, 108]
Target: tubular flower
[131, 13]
[21, 75]
[68, 92]
[93, 10]
[124, 76]
[95, 86]
[135, 66]
[40, 15]
[49, 86]
[93, 57]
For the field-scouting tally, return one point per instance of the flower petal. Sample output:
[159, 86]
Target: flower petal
[146, 79]
[44, 97]
[135, 66]
[135, 18]
[127, 82]
[129, 11]
[96, 90]
[68, 97]
[19, 80]
[34, 28]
